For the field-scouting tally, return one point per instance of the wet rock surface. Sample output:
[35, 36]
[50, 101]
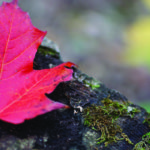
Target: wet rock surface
[65, 129]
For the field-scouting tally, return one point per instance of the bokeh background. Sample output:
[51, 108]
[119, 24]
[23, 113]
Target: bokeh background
[108, 39]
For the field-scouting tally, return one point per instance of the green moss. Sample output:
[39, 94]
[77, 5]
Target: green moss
[48, 51]
[144, 144]
[104, 119]
[88, 81]
[92, 83]
[147, 120]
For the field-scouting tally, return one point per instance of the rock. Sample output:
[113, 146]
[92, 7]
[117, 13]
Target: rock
[99, 117]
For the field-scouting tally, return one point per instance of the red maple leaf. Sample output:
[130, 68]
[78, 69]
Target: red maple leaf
[22, 89]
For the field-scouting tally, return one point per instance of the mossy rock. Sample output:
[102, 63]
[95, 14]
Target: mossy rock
[99, 118]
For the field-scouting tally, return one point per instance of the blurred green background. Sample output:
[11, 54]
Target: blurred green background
[108, 39]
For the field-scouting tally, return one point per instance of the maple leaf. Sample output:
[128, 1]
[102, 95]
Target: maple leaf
[22, 89]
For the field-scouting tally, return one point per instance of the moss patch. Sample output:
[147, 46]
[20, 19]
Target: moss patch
[144, 144]
[104, 119]
[48, 51]
[88, 81]
[147, 120]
